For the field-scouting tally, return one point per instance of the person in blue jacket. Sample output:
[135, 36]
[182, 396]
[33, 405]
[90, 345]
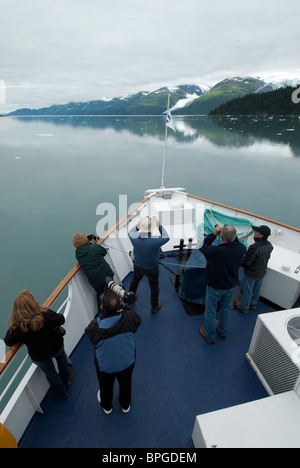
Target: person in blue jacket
[113, 337]
[147, 247]
[223, 263]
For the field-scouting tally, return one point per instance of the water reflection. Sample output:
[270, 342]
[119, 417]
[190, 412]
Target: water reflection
[226, 131]
[278, 129]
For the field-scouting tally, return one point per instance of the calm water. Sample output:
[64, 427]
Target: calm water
[54, 172]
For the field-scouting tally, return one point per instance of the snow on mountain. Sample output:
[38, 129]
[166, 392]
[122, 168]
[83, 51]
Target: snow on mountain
[273, 82]
[184, 102]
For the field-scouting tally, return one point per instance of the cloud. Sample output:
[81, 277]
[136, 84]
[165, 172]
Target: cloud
[56, 51]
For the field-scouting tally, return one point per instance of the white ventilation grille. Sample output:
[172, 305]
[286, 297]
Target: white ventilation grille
[274, 364]
[293, 328]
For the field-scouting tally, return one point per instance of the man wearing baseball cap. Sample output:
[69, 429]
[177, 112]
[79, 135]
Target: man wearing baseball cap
[255, 268]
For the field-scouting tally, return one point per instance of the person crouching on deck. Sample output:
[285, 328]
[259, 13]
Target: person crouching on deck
[113, 337]
[146, 252]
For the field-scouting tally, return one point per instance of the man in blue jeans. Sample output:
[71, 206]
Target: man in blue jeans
[255, 268]
[223, 262]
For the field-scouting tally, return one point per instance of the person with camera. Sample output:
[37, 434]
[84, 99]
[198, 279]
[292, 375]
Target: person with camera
[113, 337]
[91, 255]
[147, 239]
[223, 263]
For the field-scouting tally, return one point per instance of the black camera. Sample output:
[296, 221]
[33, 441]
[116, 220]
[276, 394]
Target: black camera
[127, 296]
[92, 237]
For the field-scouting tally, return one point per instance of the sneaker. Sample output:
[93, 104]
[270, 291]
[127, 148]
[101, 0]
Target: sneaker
[253, 306]
[63, 396]
[154, 309]
[202, 333]
[99, 400]
[126, 410]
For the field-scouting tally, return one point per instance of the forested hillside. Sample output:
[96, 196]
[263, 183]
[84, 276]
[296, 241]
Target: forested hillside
[278, 102]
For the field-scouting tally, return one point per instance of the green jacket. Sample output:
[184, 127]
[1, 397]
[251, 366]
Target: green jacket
[91, 258]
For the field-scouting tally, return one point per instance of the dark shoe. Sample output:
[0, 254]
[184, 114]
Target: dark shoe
[63, 396]
[220, 334]
[253, 307]
[202, 333]
[238, 306]
[156, 308]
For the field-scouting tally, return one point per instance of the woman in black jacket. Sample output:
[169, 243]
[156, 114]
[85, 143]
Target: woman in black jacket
[39, 329]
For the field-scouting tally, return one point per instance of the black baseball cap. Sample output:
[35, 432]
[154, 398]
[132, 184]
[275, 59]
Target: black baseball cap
[264, 230]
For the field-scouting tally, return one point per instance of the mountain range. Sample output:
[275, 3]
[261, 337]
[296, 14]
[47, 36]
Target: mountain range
[185, 99]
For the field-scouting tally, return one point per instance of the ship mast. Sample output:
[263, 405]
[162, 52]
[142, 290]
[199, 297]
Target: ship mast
[169, 124]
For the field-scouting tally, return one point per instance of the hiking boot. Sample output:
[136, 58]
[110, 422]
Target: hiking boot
[238, 306]
[202, 333]
[154, 309]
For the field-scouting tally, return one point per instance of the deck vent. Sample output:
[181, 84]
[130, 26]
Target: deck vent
[293, 328]
[272, 352]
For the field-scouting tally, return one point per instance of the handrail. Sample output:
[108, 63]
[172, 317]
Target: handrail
[58, 290]
[248, 213]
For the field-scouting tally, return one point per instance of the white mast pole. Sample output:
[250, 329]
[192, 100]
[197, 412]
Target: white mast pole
[165, 150]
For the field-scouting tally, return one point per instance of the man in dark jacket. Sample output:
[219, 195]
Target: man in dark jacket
[255, 268]
[113, 337]
[223, 262]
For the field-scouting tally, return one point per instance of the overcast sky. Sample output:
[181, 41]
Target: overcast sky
[57, 51]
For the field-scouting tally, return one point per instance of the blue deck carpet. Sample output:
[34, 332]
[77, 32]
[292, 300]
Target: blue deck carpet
[177, 376]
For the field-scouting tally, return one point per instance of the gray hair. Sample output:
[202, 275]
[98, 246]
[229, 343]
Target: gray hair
[228, 233]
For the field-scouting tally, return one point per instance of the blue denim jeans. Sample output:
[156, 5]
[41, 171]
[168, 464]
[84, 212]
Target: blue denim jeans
[250, 291]
[213, 296]
[57, 381]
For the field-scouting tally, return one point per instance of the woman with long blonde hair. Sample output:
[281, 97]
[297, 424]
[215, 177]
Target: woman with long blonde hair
[39, 329]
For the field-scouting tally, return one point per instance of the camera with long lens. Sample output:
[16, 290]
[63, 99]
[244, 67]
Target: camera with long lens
[127, 296]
